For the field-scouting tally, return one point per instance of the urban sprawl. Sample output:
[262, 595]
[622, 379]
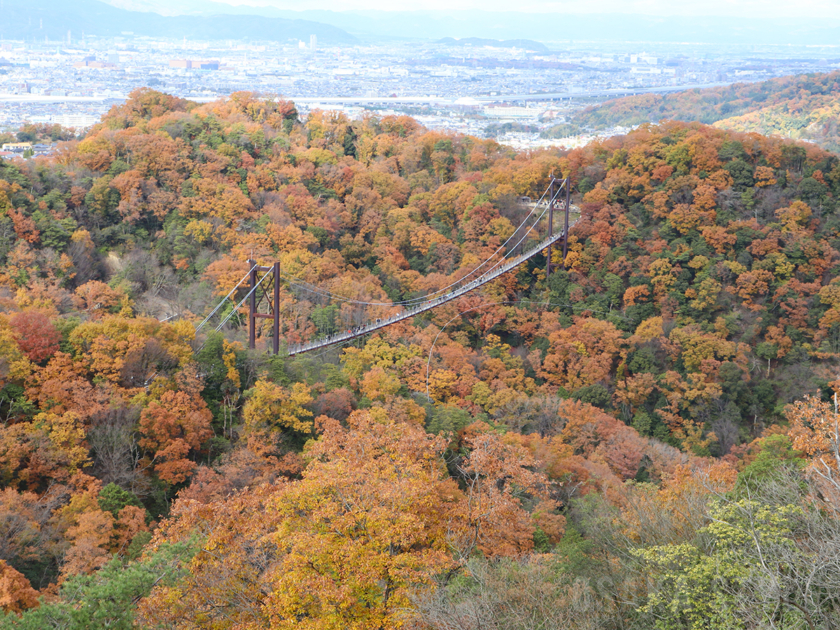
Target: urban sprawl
[512, 94]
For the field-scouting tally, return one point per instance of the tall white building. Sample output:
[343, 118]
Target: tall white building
[76, 121]
[313, 42]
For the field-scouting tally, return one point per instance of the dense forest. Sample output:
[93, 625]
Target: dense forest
[622, 444]
[802, 107]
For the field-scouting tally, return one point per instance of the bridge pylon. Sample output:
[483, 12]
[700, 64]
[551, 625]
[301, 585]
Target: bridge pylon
[264, 296]
[554, 200]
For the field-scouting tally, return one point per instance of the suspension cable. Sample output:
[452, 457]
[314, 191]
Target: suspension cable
[238, 306]
[226, 298]
[524, 236]
[431, 296]
[410, 304]
[423, 307]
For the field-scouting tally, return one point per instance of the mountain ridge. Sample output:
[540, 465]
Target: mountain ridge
[36, 19]
[799, 107]
[546, 27]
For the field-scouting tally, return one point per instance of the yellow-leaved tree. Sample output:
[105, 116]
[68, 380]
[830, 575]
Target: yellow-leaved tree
[338, 549]
[270, 407]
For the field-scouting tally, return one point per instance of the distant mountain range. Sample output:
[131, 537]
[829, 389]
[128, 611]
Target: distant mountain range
[543, 27]
[37, 19]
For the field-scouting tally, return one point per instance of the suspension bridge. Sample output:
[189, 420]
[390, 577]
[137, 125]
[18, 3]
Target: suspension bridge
[556, 197]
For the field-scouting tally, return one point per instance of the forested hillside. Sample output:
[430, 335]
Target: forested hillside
[593, 445]
[802, 107]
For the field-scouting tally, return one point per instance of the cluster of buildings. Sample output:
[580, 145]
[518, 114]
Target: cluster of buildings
[9, 150]
[473, 89]
[194, 64]
[92, 62]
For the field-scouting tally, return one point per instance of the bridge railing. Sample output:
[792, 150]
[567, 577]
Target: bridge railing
[379, 323]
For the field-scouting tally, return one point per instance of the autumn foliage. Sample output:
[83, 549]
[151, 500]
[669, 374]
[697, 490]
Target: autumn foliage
[539, 428]
[798, 106]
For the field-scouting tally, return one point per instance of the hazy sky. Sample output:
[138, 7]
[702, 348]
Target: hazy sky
[740, 8]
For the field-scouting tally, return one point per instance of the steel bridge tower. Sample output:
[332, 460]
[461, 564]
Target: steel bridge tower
[259, 296]
[554, 193]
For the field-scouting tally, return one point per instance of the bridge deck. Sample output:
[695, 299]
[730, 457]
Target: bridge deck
[359, 331]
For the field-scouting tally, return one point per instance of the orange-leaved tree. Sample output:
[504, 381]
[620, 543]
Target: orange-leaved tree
[815, 431]
[171, 428]
[16, 594]
[341, 548]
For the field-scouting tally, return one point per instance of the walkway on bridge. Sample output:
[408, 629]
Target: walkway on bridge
[411, 307]
[360, 331]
